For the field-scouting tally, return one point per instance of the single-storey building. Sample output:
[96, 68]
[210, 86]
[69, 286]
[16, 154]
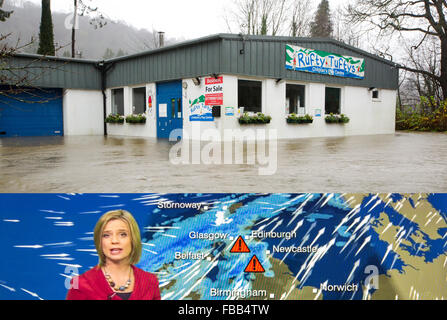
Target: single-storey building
[218, 82]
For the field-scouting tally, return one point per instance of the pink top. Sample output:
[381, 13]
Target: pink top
[92, 285]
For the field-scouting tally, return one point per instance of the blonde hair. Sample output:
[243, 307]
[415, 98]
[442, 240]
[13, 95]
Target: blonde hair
[135, 237]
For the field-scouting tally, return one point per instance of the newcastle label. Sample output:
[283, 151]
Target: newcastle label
[321, 62]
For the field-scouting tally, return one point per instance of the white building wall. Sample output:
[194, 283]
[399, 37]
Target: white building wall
[149, 129]
[366, 116]
[83, 112]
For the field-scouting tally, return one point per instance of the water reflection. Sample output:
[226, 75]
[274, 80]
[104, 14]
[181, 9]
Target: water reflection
[404, 162]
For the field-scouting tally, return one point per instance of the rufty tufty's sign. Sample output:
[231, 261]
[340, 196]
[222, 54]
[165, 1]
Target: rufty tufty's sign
[322, 62]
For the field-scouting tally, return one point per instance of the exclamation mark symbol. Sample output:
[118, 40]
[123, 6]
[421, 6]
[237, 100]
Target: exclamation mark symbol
[254, 264]
[239, 246]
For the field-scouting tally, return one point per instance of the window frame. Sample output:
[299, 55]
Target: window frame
[261, 81]
[378, 99]
[306, 88]
[341, 111]
[112, 100]
[132, 112]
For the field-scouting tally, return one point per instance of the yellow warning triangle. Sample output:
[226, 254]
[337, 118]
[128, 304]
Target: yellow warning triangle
[240, 246]
[254, 266]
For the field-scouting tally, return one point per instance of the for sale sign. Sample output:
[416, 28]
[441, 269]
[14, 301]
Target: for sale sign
[214, 91]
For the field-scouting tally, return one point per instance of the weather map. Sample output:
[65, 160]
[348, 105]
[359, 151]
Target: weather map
[237, 246]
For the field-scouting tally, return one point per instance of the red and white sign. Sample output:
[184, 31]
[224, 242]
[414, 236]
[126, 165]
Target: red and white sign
[214, 91]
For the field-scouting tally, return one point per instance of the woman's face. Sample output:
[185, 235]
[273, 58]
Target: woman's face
[116, 241]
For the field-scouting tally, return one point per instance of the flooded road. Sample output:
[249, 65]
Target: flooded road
[404, 162]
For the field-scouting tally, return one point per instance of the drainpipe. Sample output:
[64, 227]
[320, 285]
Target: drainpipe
[103, 67]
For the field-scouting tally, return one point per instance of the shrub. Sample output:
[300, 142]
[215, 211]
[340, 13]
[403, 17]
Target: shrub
[423, 120]
[293, 118]
[114, 118]
[139, 118]
[259, 118]
[335, 118]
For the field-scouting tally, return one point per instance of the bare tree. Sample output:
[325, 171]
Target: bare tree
[421, 18]
[253, 17]
[300, 19]
[81, 9]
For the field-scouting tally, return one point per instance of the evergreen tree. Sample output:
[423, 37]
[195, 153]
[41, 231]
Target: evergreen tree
[4, 14]
[46, 36]
[108, 54]
[322, 25]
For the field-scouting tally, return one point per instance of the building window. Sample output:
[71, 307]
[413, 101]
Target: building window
[250, 95]
[332, 102]
[375, 94]
[295, 98]
[118, 101]
[138, 100]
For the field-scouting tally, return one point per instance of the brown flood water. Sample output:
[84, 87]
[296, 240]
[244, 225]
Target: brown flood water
[403, 162]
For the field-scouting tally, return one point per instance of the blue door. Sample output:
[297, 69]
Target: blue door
[169, 108]
[31, 112]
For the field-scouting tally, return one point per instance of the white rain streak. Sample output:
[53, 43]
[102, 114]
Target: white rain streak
[445, 262]
[351, 238]
[148, 244]
[150, 251]
[86, 250]
[65, 198]
[361, 224]
[194, 272]
[149, 197]
[366, 292]
[9, 288]
[345, 219]
[305, 238]
[69, 276]
[322, 199]
[298, 225]
[31, 293]
[35, 246]
[320, 291]
[169, 235]
[57, 256]
[372, 199]
[318, 255]
[266, 225]
[387, 227]
[214, 264]
[67, 243]
[64, 224]
[52, 211]
[277, 225]
[167, 296]
[388, 250]
[262, 221]
[351, 275]
[11, 220]
[54, 218]
[90, 212]
[161, 228]
[356, 220]
[108, 196]
[375, 205]
[70, 265]
[320, 233]
[367, 240]
[86, 239]
[113, 206]
[328, 198]
[387, 203]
